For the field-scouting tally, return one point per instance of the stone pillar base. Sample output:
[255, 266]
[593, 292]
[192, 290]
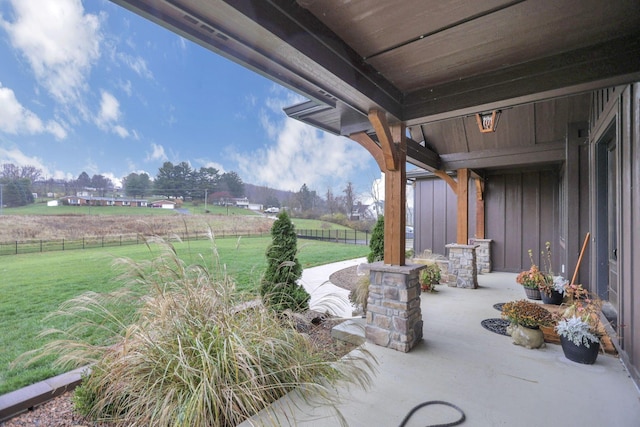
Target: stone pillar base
[394, 319]
[483, 254]
[463, 271]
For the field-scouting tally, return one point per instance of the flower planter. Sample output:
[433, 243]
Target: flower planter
[555, 298]
[580, 353]
[532, 293]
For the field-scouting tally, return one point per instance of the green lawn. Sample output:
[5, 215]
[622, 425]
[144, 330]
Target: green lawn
[33, 285]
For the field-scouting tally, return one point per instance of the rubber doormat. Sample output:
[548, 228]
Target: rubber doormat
[498, 306]
[499, 326]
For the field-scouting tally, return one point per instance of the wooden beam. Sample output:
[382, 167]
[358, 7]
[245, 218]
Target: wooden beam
[516, 156]
[379, 121]
[370, 145]
[463, 206]
[421, 156]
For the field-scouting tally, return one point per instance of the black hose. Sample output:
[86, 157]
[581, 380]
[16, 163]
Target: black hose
[435, 402]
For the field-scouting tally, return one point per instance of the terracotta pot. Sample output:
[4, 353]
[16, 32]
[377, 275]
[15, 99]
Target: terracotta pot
[580, 353]
[532, 293]
[555, 298]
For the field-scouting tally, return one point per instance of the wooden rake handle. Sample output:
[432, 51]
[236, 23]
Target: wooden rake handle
[584, 247]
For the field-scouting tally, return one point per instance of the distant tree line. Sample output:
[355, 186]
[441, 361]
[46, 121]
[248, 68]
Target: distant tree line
[181, 181]
[18, 183]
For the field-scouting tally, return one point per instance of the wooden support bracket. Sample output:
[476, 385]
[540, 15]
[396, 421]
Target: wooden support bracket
[452, 182]
[389, 149]
[370, 145]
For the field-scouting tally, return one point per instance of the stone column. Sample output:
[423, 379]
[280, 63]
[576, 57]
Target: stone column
[483, 254]
[463, 271]
[394, 319]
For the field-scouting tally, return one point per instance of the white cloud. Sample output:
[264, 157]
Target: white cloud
[157, 153]
[117, 182]
[209, 164]
[17, 120]
[56, 129]
[302, 155]
[126, 86]
[109, 115]
[120, 131]
[136, 63]
[109, 109]
[59, 41]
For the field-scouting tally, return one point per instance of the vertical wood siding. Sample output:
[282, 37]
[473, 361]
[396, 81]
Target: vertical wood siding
[436, 216]
[521, 212]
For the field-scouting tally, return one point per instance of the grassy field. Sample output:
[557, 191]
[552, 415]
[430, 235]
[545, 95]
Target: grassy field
[316, 224]
[32, 286]
[43, 209]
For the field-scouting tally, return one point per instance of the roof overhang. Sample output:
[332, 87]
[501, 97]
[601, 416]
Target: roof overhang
[420, 61]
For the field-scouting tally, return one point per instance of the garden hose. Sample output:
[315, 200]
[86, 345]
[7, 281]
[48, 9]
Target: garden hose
[435, 402]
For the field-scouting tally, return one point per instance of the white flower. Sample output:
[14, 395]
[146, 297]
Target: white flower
[559, 283]
[577, 331]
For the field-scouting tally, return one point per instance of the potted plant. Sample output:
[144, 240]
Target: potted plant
[531, 280]
[552, 287]
[579, 329]
[429, 277]
[525, 319]
[552, 291]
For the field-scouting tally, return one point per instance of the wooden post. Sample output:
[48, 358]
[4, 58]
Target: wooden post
[479, 208]
[463, 206]
[395, 201]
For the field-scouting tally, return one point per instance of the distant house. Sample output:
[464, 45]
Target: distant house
[164, 204]
[242, 202]
[104, 201]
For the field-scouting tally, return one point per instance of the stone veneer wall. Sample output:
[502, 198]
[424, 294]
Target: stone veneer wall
[394, 319]
[463, 271]
[483, 254]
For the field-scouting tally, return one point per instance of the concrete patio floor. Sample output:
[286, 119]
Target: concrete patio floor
[493, 381]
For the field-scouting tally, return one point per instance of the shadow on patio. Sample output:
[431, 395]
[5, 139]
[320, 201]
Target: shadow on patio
[493, 381]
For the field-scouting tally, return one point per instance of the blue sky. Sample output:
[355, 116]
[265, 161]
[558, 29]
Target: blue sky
[89, 86]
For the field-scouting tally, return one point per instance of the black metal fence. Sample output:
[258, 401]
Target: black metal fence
[339, 236]
[33, 246]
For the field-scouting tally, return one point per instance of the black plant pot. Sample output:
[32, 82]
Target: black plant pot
[555, 297]
[580, 353]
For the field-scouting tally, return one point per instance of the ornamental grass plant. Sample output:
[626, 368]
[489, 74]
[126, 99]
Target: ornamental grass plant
[193, 352]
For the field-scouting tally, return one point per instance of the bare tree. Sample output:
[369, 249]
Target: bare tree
[330, 201]
[349, 198]
[11, 171]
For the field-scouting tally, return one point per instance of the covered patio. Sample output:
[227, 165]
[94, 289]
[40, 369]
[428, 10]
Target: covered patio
[493, 381]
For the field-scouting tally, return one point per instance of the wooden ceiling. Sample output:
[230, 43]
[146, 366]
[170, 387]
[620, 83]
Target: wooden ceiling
[421, 61]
